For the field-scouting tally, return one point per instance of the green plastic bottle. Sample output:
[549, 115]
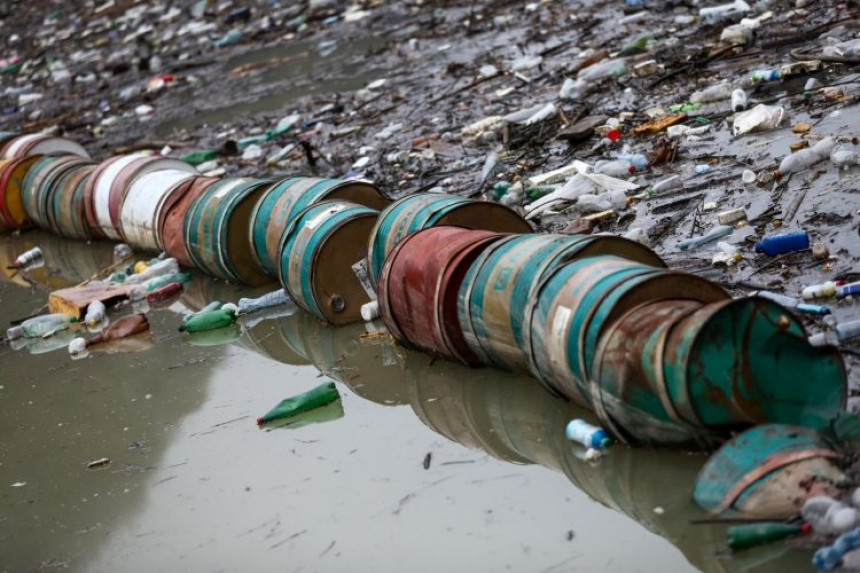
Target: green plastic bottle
[745, 536]
[158, 282]
[214, 305]
[310, 400]
[534, 193]
[499, 189]
[209, 320]
[201, 156]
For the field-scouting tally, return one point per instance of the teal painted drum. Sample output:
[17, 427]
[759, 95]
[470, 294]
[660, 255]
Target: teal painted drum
[499, 287]
[284, 200]
[425, 210]
[215, 230]
[322, 260]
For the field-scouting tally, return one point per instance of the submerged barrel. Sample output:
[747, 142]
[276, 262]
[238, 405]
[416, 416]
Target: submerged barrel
[115, 182]
[499, 287]
[425, 210]
[143, 205]
[171, 224]
[748, 361]
[67, 214]
[579, 301]
[12, 173]
[37, 186]
[283, 201]
[215, 230]
[41, 144]
[419, 284]
[322, 260]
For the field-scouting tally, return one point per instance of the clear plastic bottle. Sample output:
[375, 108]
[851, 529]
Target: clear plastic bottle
[165, 267]
[664, 186]
[844, 158]
[716, 14]
[637, 161]
[582, 432]
[716, 233]
[739, 100]
[274, 298]
[718, 92]
[27, 257]
[95, 313]
[806, 158]
[616, 168]
[40, 326]
[830, 557]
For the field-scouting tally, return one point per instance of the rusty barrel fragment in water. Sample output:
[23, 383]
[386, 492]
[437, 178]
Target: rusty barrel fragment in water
[577, 303]
[284, 200]
[12, 173]
[320, 249]
[40, 144]
[419, 284]
[215, 230]
[425, 210]
[171, 223]
[748, 361]
[68, 213]
[144, 204]
[500, 286]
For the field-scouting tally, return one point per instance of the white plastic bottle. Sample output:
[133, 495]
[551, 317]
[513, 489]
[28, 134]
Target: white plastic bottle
[580, 431]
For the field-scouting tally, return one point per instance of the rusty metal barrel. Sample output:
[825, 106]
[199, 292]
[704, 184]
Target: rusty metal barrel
[144, 204]
[171, 224]
[748, 361]
[579, 301]
[67, 214]
[12, 173]
[40, 144]
[115, 181]
[419, 284]
[287, 198]
[425, 210]
[38, 183]
[499, 287]
[322, 260]
[215, 230]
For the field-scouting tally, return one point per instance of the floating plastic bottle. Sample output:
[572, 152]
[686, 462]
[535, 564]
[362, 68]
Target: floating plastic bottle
[605, 69]
[806, 158]
[96, 312]
[830, 557]
[716, 14]
[843, 332]
[40, 326]
[765, 75]
[165, 267]
[785, 243]
[718, 92]
[731, 216]
[824, 290]
[844, 158]
[739, 100]
[500, 189]
[615, 168]
[751, 535]
[666, 185]
[274, 298]
[156, 283]
[209, 320]
[315, 398]
[214, 305]
[163, 294]
[200, 156]
[638, 162]
[580, 431]
[122, 252]
[27, 257]
[716, 233]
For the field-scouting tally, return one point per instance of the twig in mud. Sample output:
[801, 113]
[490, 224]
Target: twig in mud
[794, 206]
[775, 260]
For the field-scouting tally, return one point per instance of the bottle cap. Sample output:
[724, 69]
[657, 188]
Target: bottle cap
[260, 421]
[605, 443]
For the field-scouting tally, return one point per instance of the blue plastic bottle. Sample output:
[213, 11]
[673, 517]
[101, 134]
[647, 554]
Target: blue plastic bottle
[850, 289]
[781, 244]
[831, 556]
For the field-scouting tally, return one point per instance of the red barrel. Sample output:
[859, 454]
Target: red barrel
[170, 228]
[418, 288]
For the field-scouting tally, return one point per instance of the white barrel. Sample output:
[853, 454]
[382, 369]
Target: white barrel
[118, 178]
[101, 194]
[143, 204]
[41, 144]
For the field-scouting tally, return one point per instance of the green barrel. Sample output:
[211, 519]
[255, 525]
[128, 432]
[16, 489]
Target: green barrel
[321, 249]
[67, 211]
[215, 230]
[37, 184]
[280, 204]
[499, 286]
[425, 210]
[551, 324]
[629, 384]
[748, 361]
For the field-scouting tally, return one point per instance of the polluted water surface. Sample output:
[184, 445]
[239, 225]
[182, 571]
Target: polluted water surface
[147, 457]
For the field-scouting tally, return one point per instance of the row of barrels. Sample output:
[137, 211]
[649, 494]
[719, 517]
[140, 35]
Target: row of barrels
[599, 320]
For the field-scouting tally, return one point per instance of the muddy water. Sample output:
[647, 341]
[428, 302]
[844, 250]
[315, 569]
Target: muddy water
[194, 485]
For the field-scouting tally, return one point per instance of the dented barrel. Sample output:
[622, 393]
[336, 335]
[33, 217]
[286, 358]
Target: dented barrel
[284, 200]
[425, 210]
[322, 260]
[171, 222]
[215, 230]
[419, 284]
